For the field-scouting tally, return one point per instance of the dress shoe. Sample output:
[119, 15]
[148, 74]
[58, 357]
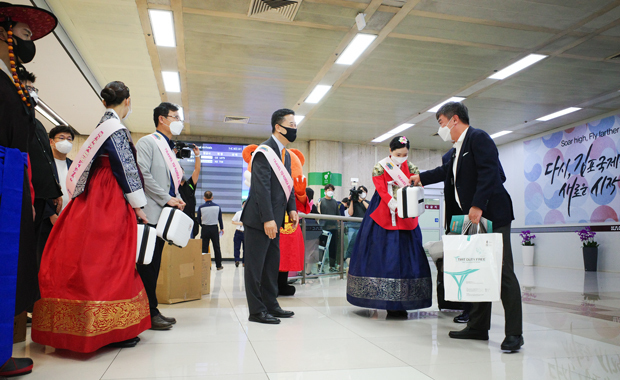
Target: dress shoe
[463, 318]
[279, 313]
[158, 323]
[168, 319]
[237, 264]
[397, 314]
[264, 317]
[512, 343]
[469, 333]
[220, 268]
[125, 343]
[16, 367]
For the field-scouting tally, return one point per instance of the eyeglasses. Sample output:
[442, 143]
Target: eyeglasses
[32, 88]
[174, 117]
[62, 138]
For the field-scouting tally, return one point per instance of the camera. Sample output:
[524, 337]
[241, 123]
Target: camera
[355, 191]
[183, 150]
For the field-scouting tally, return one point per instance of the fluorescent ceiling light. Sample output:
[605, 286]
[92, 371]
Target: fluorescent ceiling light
[47, 116]
[318, 93]
[401, 128]
[181, 114]
[163, 27]
[518, 66]
[500, 134]
[172, 81]
[452, 99]
[559, 113]
[355, 48]
[383, 137]
[298, 118]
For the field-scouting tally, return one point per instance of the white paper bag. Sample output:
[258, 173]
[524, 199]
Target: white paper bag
[472, 267]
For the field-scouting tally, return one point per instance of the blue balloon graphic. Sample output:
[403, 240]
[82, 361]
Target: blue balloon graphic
[552, 196]
[533, 218]
[553, 140]
[532, 167]
[602, 125]
[533, 196]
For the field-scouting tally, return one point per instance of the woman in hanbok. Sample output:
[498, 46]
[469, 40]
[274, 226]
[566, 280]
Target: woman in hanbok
[389, 269]
[91, 293]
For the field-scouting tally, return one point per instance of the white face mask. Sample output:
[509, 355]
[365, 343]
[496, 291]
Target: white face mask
[128, 113]
[34, 96]
[176, 127]
[330, 194]
[64, 146]
[444, 132]
[363, 195]
[399, 160]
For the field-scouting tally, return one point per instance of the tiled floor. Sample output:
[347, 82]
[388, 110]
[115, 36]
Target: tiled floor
[571, 324]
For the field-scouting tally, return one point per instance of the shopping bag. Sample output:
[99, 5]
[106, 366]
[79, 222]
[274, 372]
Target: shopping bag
[458, 221]
[473, 267]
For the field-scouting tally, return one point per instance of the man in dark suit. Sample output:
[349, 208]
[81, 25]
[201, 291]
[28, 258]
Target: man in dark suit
[473, 185]
[262, 217]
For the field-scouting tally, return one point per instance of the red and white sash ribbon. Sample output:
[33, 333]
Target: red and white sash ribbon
[394, 171]
[89, 149]
[286, 181]
[170, 159]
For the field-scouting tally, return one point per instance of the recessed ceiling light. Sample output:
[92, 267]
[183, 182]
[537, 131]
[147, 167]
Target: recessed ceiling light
[163, 27]
[172, 82]
[452, 99]
[355, 48]
[518, 66]
[318, 93]
[298, 118]
[563, 112]
[499, 134]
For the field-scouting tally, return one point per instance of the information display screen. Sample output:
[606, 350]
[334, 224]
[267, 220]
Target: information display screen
[222, 169]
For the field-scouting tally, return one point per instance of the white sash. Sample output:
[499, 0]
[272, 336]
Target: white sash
[171, 160]
[394, 171]
[89, 149]
[286, 181]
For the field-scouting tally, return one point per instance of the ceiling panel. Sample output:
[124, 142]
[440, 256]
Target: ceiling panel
[597, 47]
[237, 6]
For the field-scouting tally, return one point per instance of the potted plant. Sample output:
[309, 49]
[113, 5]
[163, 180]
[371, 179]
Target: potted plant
[590, 249]
[527, 248]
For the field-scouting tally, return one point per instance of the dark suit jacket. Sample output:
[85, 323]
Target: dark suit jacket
[44, 174]
[479, 180]
[267, 200]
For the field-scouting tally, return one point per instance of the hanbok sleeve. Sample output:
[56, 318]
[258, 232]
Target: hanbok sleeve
[380, 183]
[125, 168]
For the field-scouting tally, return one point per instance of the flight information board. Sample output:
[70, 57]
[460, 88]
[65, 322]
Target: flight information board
[222, 169]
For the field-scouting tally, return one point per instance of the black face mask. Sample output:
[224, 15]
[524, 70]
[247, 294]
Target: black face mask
[291, 133]
[24, 50]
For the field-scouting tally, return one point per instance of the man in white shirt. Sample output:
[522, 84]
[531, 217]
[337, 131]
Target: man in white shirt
[61, 141]
[238, 239]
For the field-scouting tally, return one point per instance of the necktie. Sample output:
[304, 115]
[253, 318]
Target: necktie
[283, 154]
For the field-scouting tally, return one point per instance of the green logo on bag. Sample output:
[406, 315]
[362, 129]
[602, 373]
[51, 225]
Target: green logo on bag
[463, 275]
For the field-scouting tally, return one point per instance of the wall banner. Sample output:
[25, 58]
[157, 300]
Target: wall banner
[573, 176]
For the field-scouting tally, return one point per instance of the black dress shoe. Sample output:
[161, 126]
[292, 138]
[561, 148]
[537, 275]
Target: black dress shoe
[264, 317]
[512, 343]
[168, 319]
[397, 314]
[158, 323]
[279, 313]
[16, 367]
[125, 343]
[469, 333]
[463, 318]
[236, 264]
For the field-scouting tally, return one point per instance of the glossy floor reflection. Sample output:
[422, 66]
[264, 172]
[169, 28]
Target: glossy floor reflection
[571, 329]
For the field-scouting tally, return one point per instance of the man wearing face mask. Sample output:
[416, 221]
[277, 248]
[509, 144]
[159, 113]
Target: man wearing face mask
[20, 26]
[271, 196]
[356, 209]
[61, 141]
[473, 184]
[329, 206]
[162, 177]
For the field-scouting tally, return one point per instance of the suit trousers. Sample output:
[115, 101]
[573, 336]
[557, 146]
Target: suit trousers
[150, 273]
[262, 266]
[212, 233]
[480, 313]
[238, 241]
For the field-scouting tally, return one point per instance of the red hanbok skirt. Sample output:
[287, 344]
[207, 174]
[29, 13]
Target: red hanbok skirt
[91, 293]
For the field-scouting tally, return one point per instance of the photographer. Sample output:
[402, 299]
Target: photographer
[357, 208]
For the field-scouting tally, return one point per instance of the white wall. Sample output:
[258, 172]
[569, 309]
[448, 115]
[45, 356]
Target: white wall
[553, 249]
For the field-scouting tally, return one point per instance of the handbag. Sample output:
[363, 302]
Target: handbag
[473, 265]
[145, 244]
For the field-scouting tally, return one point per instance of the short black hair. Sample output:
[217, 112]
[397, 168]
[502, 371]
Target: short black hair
[114, 93]
[62, 129]
[329, 186]
[397, 143]
[454, 108]
[363, 187]
[310, 193]
[163, 109]
[25, 75]
[208, 194]
[6, 24]
[345, 200]
[278, 116]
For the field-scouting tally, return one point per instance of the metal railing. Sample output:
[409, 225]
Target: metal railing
[341, 227]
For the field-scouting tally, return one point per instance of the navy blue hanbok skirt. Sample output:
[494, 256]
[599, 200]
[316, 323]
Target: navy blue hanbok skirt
[388, 269]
